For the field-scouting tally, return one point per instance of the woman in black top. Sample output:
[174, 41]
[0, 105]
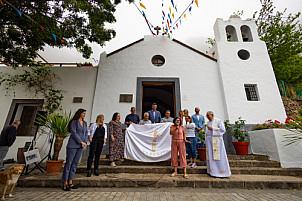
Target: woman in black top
[97, 135]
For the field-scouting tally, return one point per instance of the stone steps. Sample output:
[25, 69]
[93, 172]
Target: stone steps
[233, 163]
[199, 170]
[123, 180]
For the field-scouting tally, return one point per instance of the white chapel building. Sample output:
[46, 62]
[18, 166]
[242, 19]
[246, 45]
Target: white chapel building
[235, 79]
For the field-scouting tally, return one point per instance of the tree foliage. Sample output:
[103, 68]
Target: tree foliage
[283, 37]
[74, 21]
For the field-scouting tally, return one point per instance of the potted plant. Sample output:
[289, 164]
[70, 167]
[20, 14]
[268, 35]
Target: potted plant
[57, 123]
[239, 132]
[201, 147]
[87, 64]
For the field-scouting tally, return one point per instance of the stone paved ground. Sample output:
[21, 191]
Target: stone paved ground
[154, 194]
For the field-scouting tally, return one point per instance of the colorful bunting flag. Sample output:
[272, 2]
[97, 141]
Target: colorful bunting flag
[164, 14]
[142, 5]
[172, 3]
[196, 1]
[20, 13]
[42, 28]
[190, 9]
[54, 37]
[185, 16]
[62, 41]
[1, 2]
[173, 15]
[176, 25]
[170, 9]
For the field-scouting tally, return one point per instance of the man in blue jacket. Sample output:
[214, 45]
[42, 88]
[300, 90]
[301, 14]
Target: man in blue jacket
[199, 121]
[154, 115]
[7, 139]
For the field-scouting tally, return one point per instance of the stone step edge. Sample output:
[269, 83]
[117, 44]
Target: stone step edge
[198, 167]
[129, 182]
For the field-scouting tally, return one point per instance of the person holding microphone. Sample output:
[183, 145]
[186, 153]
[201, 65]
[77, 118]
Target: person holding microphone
[178, 146]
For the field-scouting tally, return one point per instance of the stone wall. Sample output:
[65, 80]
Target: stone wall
[291, 106]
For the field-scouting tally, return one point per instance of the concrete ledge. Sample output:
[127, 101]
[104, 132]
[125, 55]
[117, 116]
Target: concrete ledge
[164, 180]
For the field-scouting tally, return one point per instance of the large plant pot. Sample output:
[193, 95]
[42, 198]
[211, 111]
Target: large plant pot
[53, 167]
[242, 148]
[202, 154]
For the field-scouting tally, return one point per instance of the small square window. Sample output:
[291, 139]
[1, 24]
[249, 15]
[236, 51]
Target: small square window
[251, 92]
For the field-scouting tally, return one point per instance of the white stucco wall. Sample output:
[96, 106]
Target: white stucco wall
[270, 142]
[78, 82]
[199, 82]
[235, 73]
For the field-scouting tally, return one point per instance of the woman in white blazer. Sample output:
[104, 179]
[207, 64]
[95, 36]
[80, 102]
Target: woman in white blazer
[97, 135]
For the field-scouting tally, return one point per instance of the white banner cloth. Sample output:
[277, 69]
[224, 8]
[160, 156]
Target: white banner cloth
[148, 143]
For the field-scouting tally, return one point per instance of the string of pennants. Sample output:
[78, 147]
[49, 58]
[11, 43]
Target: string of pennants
[56, 38]
[169, 20]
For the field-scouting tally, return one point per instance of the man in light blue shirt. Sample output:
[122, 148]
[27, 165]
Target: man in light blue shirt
[199, 121]
[145, 120]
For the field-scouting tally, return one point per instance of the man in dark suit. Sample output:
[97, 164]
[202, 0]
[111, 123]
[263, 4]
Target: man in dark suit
[7, 139]
[154, 115]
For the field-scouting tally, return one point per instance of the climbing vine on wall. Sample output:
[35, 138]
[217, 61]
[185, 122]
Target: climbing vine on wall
[39, 81]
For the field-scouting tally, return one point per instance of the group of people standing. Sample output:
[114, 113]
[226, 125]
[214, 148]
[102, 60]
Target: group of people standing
[184, 133]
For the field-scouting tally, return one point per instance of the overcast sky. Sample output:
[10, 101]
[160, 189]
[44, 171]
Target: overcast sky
[198, 26]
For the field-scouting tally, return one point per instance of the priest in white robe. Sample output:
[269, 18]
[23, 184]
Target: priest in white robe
[217, 160]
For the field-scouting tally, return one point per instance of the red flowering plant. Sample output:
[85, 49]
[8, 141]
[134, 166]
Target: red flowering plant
[295, 127]
[269, 124]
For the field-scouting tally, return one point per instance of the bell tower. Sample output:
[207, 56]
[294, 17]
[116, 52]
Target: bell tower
[247, 78]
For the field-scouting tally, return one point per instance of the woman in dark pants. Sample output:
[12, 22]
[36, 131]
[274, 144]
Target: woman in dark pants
[76, 143]
[97, 134]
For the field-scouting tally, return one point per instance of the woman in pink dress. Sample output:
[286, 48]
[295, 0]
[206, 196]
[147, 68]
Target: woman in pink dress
[178, 145]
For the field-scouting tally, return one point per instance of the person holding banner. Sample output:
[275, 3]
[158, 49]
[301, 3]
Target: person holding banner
[116, 140]
[217, 160]
[97, 135]
[178, 145]
[75, 146]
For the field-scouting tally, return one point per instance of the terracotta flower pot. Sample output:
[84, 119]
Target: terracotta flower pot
[202, 154]
[53, 167]
[242, 148]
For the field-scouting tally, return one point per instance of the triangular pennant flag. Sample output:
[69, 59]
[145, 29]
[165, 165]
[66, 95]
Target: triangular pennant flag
[174, 28]
[78, 50]
[142, 5]
[196, 1]
[173, 15]
[164, 14]
[168, 35]
[163, 18]
[168, 23]
[62, 41]
[169, 16]
[42, 28]
[185, 16]
[176, 25]
[20, 13]
[179, 21]
[176, 8]
[54, 37]
[1, 2]
[170, 9]
[190, 9]
[172, 3]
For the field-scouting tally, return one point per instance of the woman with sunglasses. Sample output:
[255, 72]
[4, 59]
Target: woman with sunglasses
[178, 146]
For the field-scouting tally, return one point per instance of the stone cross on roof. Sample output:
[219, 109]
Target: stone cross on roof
[157, 28]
